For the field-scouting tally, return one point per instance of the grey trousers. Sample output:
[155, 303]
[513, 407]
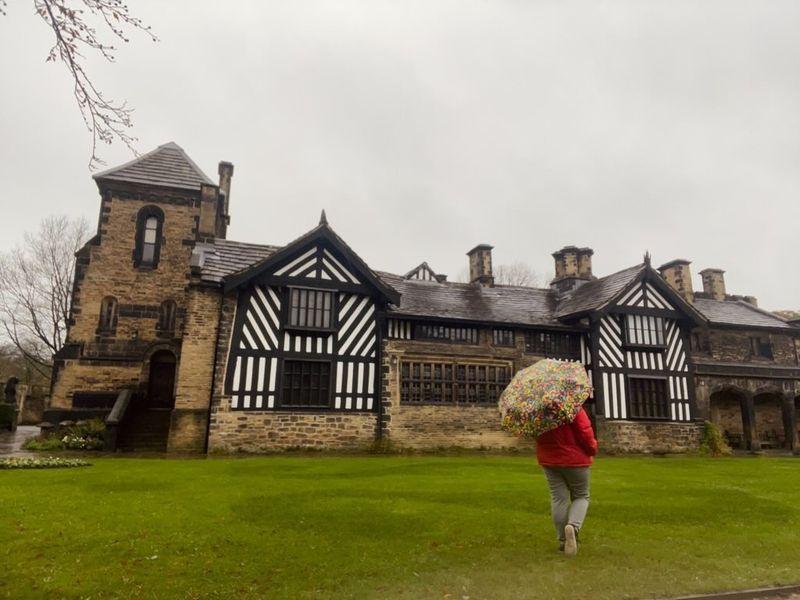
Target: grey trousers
[569, 496]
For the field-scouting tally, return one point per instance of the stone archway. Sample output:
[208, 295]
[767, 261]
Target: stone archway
[725, 407]
[768, 408]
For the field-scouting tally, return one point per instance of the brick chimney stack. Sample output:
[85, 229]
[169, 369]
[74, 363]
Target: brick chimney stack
[714, 283]
[679, 277]
[480, 265]
[573, 268]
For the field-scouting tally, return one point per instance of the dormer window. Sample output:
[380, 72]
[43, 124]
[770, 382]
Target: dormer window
[644, 330]
[149, 225]
[310, 309]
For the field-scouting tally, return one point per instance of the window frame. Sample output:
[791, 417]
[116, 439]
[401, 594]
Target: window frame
[280, 398]
[626, 336]
[570, 354]
[757, 346]
[333, 319]
[504, 333]
[108, 328]
[472, 340]
[170, 328]
[452, 389]
[142, 217]
[629, 397]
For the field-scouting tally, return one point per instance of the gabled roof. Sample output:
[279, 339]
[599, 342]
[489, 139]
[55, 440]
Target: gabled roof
[166, 166]
[472, 302]
[220, 258]
[422, 267]
[597, 293]
[321, 232]
[740, 313]
[600, 293]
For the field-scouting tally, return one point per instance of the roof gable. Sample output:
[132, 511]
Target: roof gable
[166, 166]
[596, 294]
[638, 286]
[649, 290]
[319, 254]
[422, 271]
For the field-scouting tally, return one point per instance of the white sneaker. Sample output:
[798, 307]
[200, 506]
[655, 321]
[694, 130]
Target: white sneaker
[571, 542]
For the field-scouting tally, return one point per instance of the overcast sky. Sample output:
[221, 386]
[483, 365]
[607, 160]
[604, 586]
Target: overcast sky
[424, 128]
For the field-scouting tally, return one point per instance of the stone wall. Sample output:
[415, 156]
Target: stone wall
[439, 425]
[648, 437]
[92, 361]
[769, 418]
[733, 345]
[264, 431]
[273, 430]
[196, 371]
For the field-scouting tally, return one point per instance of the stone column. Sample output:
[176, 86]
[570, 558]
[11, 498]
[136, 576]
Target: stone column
[790, 422]
[749, 423]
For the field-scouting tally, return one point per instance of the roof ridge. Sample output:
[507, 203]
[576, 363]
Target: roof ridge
[107, 173]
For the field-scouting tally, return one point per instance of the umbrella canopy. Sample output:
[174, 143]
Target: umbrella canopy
[544, 396]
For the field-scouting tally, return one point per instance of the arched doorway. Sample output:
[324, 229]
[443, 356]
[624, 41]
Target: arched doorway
[145, 427]
[161, 380]
[769, 419]
[726, 413]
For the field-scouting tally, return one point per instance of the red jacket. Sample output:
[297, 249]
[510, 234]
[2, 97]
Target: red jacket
[570, 445]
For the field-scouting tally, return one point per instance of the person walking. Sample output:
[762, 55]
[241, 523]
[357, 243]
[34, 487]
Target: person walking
[566, 454]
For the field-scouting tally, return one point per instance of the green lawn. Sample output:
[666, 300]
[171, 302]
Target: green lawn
[393, 527]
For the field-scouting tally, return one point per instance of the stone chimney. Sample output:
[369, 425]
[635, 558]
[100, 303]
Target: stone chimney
[224, 216]
[679, 277]
[751, 300]
[573, 268]
[714, 283]
[480, 265]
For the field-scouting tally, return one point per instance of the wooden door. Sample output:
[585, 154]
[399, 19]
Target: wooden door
[161, 385]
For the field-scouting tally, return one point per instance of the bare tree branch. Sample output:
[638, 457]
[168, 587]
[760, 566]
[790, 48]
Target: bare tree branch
[517, 273]
[105, 119]
[36, 288]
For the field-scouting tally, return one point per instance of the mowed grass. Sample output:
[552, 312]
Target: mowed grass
[393, 527]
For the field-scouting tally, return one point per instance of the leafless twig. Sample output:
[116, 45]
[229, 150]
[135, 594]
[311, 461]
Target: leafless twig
[106, 119]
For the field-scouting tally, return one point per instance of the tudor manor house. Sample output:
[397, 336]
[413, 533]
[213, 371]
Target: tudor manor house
[183, 340]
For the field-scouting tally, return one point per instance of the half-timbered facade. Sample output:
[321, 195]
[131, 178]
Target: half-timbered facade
[258, 348]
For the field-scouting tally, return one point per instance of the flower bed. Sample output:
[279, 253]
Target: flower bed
[51, 462]
[84, 435]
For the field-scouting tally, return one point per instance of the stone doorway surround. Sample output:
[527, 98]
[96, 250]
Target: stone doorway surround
[765, 418]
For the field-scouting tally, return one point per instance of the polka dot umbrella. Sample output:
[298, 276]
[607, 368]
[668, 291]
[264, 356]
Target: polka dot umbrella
[544, 396]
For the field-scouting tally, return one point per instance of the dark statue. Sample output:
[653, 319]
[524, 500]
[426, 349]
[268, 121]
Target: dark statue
[11, 391]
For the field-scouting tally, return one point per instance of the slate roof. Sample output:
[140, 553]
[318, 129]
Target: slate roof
[166, 166]
[738, 312]
[225, 257]
[595, 294]
[499, 304]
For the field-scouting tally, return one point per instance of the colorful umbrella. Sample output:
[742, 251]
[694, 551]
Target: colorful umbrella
[544, 396]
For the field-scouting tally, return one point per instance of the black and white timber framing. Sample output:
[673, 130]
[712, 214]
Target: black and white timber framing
[642, 334]
[265, 336]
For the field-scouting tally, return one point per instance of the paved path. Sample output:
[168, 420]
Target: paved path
[11, 442]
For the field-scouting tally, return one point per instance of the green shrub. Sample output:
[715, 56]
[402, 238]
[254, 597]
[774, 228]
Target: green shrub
[44, 444]
[86, 435]
[24, 462]
[713, 442]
